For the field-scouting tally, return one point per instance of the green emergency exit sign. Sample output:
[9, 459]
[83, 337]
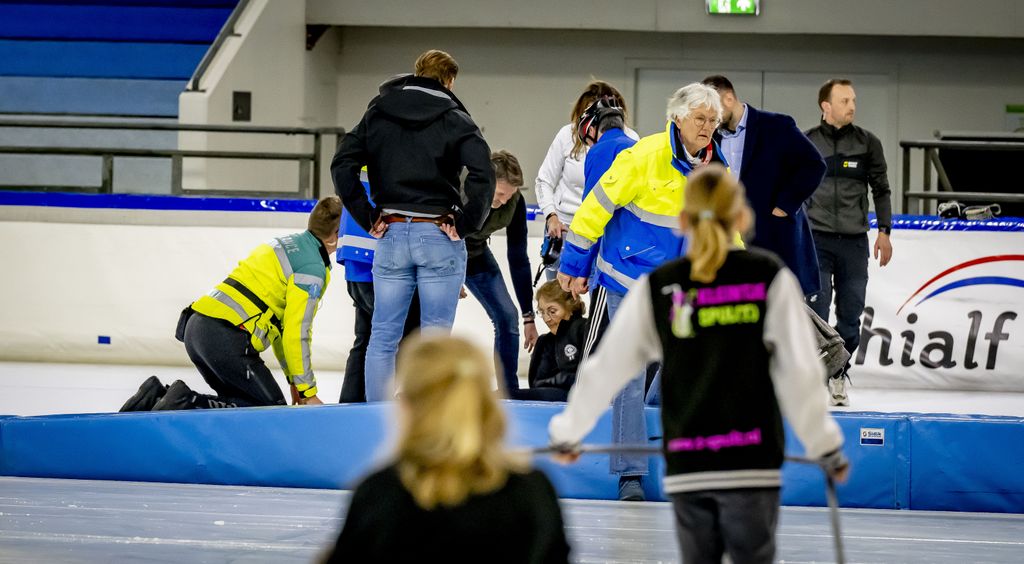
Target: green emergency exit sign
[734, 7]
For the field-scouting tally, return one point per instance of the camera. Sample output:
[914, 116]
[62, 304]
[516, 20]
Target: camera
[551, 250]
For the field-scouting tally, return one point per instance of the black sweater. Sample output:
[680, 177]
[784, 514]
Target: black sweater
[512, 218]
[521, 522]
[557, 355]
[415, 139]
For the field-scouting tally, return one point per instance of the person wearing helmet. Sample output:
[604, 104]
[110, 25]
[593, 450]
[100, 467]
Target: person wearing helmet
[560, 180]
[601, 129]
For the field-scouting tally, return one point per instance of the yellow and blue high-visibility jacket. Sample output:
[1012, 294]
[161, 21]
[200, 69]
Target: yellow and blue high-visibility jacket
[273, 295]
[635, 207]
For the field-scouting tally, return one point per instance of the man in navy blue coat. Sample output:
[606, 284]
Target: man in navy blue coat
[780, 169]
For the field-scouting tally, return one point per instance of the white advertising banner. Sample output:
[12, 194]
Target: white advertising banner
[948, 311]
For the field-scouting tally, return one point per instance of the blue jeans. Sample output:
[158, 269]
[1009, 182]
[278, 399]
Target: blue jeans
[629, 423]
[410, 257]
[488, 287]
[353, 386]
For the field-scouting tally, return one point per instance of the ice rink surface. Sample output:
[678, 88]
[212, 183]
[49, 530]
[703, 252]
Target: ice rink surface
[72, 521]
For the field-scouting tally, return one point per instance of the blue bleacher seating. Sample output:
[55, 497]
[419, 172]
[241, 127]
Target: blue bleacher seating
[111, 23]
[103, 57]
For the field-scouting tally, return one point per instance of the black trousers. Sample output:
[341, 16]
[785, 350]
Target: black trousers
[843, 267]
[539, 394]
[740, 523]
[353, 386]
[229, 364]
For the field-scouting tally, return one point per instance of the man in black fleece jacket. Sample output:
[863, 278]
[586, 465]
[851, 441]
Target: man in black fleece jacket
[415, 139]
[838, 212]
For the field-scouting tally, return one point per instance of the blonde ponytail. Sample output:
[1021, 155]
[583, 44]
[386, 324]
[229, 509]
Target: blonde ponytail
[714, 201]
[708, 249]
[451, 443]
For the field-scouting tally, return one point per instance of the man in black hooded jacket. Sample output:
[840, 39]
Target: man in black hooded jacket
[415, 139]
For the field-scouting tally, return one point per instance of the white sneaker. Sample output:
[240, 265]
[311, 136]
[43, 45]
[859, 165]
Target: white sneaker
[837, 391]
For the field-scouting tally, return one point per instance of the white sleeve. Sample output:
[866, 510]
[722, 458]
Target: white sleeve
[632, 134]
[551, 171]
[630, 343]
[797, 373]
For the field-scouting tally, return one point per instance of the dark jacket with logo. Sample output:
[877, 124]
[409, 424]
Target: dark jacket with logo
[854, 161]
[726, 359]
[737, 355]
[415, 139]
[557, 355]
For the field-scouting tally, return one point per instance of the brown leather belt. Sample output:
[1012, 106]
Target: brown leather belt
[396, 218]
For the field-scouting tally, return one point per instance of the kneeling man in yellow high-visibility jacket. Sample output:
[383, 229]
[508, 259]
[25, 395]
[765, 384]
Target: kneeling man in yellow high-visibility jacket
[268, 301]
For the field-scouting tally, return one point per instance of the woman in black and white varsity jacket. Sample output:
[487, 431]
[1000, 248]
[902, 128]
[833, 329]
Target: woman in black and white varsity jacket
[729, 327]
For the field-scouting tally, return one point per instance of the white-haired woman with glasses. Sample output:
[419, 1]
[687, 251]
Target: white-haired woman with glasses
[635, 207]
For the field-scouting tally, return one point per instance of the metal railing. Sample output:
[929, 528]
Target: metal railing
[944, 190]
[227, 30]
[308, 185]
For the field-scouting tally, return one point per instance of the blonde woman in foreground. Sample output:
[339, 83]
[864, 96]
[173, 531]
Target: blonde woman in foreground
[729, 327]
[452, 493]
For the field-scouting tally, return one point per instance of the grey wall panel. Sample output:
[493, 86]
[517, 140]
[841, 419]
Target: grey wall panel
[654, 86]
[951, 18]
[27, 171]
[89, 96]
[520, 84]
[796, 94]
[131, 175]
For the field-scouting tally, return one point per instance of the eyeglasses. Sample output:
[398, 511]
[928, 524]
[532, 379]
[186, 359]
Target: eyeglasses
[701, 122]
[548, 313]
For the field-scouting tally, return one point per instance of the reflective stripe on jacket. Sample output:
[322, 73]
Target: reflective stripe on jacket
[635, 207]
[355, 246]
[273, 294]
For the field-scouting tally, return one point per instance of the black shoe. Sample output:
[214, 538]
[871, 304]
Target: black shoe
[178, 396]
[630, 489]
[149, 393]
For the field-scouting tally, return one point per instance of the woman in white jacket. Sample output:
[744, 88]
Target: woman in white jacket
[560, 178]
